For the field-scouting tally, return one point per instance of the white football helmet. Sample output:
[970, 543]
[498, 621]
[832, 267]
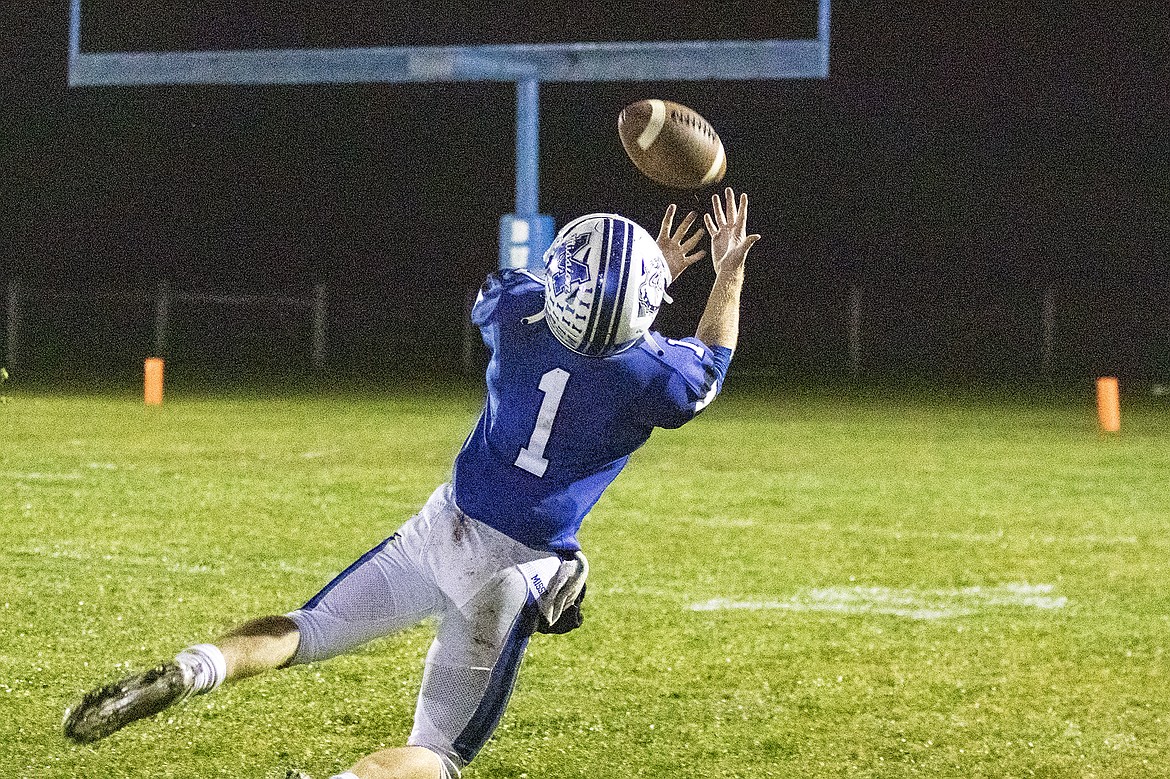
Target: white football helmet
[605, 279]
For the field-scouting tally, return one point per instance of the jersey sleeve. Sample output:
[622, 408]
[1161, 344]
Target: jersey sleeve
[498, 289]
[691, 377]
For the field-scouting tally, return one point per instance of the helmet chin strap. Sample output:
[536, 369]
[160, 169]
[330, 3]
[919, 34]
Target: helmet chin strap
[530, 320]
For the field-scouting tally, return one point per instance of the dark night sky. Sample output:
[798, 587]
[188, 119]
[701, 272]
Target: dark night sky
[956, 162]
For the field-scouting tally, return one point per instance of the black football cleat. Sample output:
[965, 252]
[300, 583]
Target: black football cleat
[112, 707]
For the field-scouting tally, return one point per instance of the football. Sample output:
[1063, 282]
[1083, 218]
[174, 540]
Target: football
[672, 144]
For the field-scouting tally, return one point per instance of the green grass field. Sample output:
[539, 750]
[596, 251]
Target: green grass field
[925, 585]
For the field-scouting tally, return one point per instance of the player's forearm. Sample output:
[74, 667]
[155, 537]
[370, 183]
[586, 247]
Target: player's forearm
[719, 325]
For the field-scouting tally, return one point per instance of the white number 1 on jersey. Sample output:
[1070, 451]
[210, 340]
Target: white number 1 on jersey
[531, 457]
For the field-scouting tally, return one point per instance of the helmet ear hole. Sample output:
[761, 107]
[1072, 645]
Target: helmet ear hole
[605, 278]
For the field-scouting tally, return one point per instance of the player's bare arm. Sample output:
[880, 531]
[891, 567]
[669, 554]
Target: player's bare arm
[730, 243]
[677, 247]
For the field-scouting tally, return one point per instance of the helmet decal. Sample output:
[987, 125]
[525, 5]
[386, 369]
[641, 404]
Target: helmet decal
[569, 266]
[651, 292]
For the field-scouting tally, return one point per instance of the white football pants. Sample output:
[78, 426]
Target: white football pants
[482, 586]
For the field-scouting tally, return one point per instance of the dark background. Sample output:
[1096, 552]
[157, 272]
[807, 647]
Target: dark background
[957, 162]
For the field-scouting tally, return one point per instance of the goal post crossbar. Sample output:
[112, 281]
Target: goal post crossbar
[568, 62]
[703, 60]
[527, 65]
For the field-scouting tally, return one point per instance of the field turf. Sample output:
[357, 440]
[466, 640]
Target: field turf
[825, 584]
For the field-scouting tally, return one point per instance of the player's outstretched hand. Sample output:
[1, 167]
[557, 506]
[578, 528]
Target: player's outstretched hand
[727, 225]
[677, 247]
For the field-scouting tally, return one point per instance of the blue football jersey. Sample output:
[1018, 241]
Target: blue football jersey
[558, 427]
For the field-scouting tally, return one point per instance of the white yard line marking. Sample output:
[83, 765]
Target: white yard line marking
[910, 603]
[824, 528]
[67, 550]
[37, 476]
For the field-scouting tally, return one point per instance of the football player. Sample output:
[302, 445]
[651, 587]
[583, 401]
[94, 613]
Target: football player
[575, 383]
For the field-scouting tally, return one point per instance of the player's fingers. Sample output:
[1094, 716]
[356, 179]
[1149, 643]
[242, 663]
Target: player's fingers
[693, 258]
[731, 211]
[717, 209]
[712, 228]
[667, 219]
[693, 241]
[686, 223]
[743, 204]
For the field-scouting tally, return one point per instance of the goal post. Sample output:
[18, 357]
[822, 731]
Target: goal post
[528, 232]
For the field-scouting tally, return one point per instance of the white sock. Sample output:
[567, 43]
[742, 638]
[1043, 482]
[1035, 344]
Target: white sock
[345, 775]
[206, 666]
